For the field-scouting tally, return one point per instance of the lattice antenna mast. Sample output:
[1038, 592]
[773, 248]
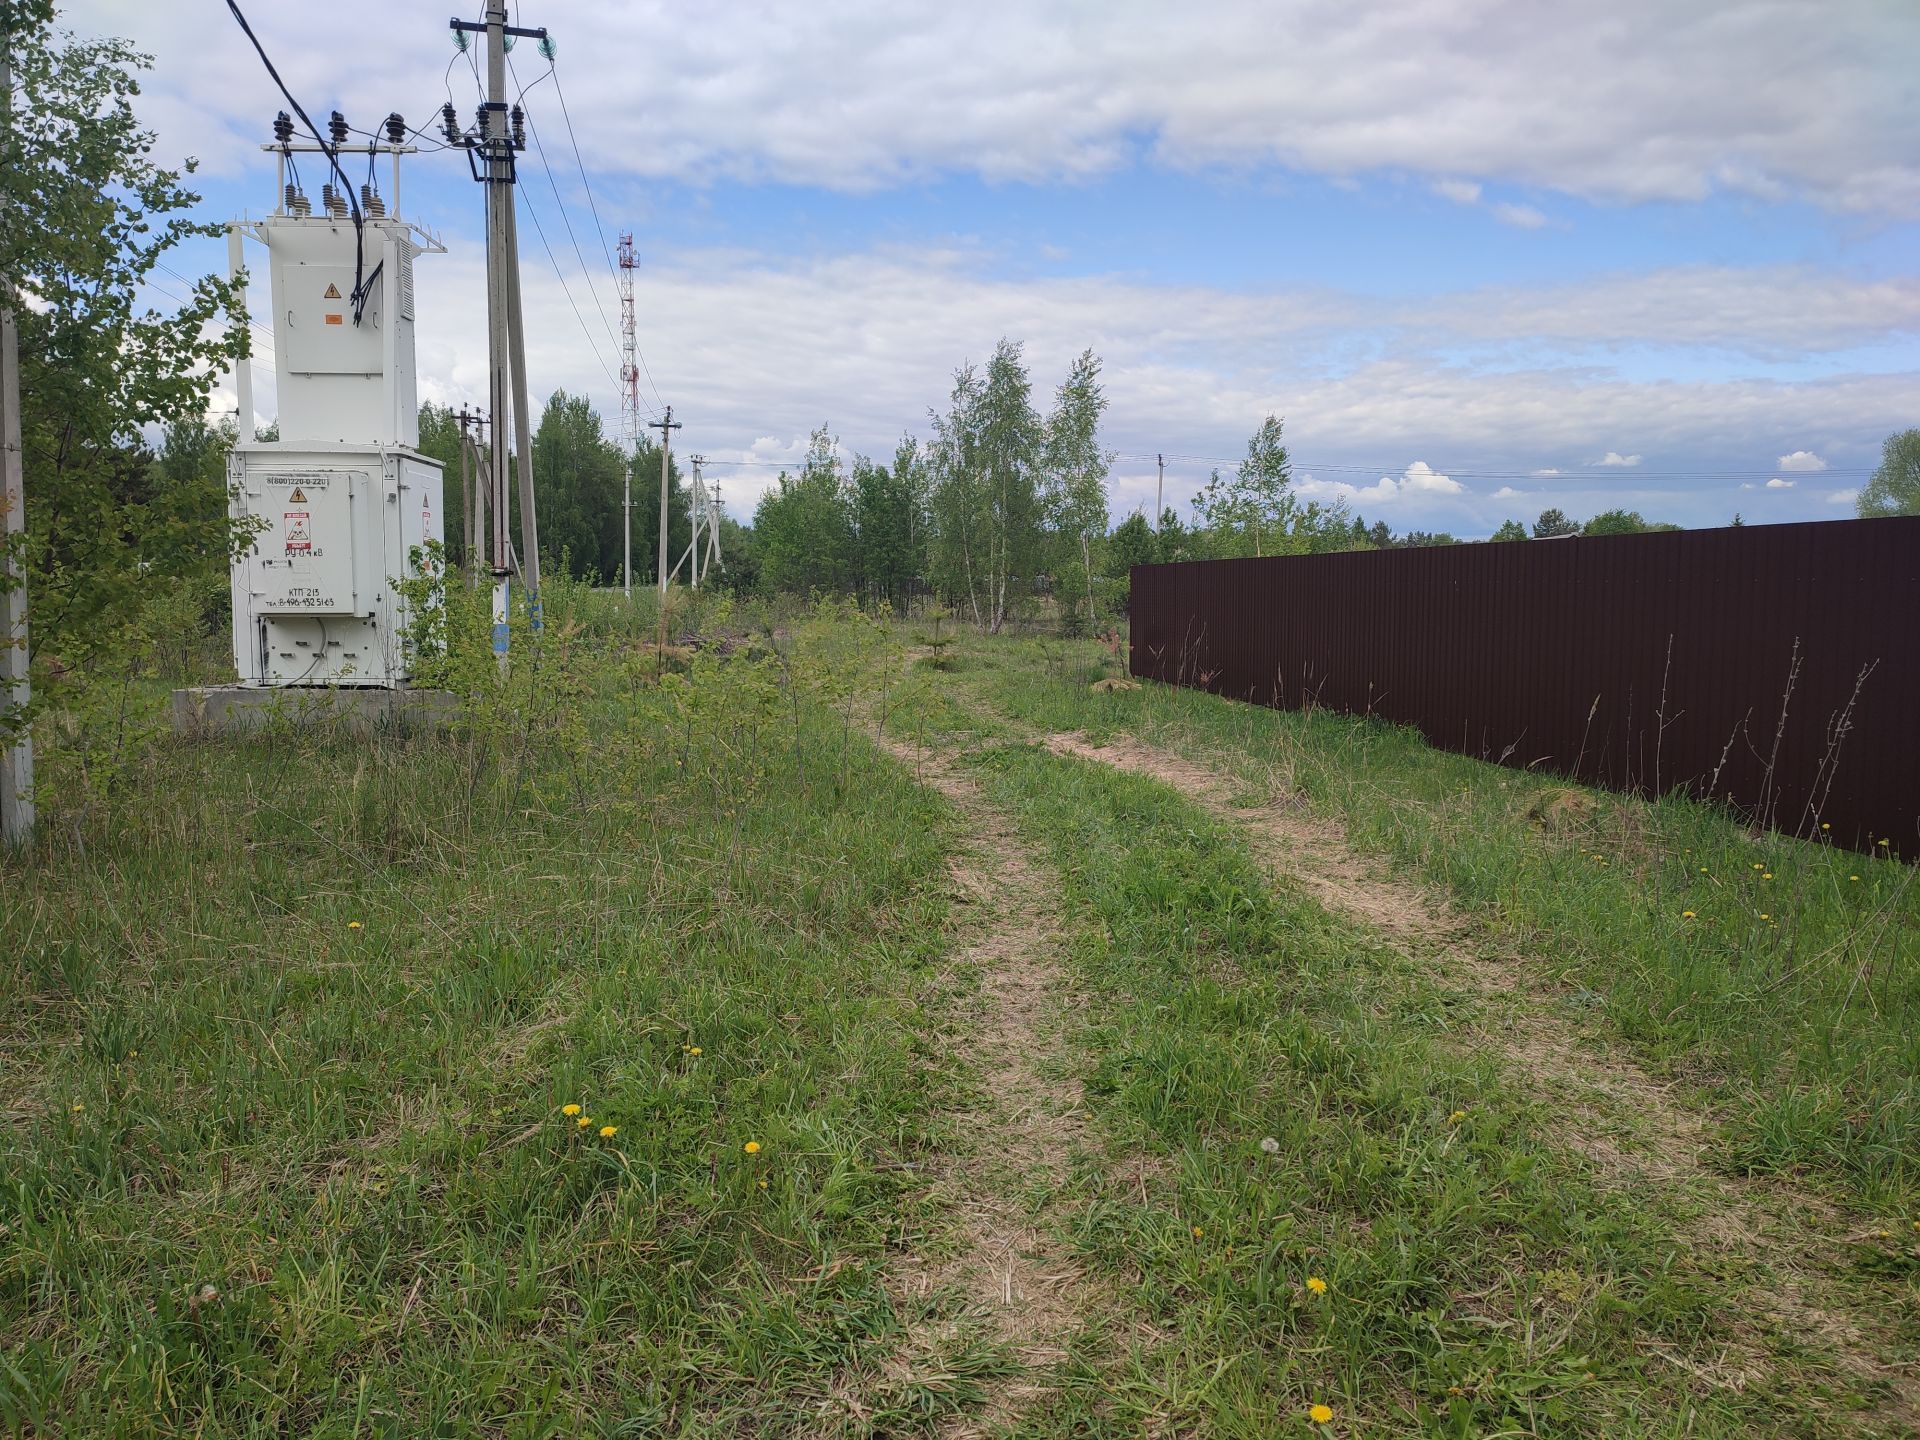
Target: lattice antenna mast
[629, 350]
[629, 406]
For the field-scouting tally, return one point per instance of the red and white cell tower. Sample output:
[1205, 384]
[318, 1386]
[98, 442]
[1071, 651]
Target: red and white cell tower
[629, 406]
[629, 350]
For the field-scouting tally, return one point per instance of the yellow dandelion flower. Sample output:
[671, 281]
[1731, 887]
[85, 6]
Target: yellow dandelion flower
[1765, 916]
[353, 925]
[1686, 915]
[1758, 866]
[695, 1050]
[1703, 869]
[1825, 826]
[1455, 1390]
[569, 1109]
[1767, 876]
[752, 1147]
[607, 1132]
[1198, 1232]
[584, 1121]
[763, 1184]
[1853, 877]
[1884, 842]
[1456, 1117]
[78, 1107]
[1321, 1414]
[1316, 1285]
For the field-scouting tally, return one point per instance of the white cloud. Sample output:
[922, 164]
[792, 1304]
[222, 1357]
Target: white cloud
[868, 341]
[1778, 484]
[1748, 485]
[1543, 474]
[1461, 192]
[1801, 460]
[1777, 311]
[1418, 480]
[1523, 217]
[1614, 459]
[1507, 492]
[1842, 497]
[1654, 101]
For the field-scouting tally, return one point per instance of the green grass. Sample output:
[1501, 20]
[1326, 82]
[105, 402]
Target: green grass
[290, 1022]
[1791, 997]
[298, 1022]
[1478, 1281]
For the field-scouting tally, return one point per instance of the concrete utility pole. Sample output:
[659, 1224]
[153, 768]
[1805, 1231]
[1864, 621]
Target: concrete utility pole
[501, 134]
[1160, 493]
[693, 531]
[626, 524]
[473, 488]
[666, 425]
[16, 759]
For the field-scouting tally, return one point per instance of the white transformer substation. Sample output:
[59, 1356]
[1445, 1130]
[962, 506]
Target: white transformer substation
[343, 503]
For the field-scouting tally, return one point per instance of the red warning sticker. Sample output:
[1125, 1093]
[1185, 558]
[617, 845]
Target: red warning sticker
[298, 530]
[336, 319]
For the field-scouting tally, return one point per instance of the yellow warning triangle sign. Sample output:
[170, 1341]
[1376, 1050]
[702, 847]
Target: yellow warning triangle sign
[298, 496]
[333, 293]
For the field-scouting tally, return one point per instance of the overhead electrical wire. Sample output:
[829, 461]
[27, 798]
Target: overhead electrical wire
[540, 151]
[361, 283]
[540, 230]
[1473, 474]
[605, 249]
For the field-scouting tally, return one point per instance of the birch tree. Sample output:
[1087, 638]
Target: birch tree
[1076, 468]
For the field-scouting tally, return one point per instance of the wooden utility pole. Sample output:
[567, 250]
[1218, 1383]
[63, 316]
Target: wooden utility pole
[666, 425]
[16, 756]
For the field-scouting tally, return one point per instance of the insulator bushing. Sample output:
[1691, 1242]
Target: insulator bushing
[396, 129]
[337, 127]
[283, 127]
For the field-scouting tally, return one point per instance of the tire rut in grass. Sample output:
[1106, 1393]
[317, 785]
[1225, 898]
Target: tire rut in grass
[1013, 1274]
[1773, 1223]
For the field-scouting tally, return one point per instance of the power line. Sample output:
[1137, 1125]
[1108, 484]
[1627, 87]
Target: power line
[561, 94]
[540, 230]
[1473, 474]
[541, 152]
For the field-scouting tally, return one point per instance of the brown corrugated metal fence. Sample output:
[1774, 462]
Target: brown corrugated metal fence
[1773, 666]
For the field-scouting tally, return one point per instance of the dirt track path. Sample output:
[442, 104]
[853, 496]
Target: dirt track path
[1018, 1145]
[1624, 1120]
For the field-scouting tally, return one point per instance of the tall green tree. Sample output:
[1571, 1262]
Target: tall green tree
[986, 495]
[1511, 530]
[804, 526]
[577, 477]
[1895, 486]
[1554, 523]
[1253, 510]
[1076, 468]
[113, 540]
[888, 533]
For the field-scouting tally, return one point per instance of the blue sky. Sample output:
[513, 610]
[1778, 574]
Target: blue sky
[1483, 256]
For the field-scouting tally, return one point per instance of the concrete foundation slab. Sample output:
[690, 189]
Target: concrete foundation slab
[206, 710]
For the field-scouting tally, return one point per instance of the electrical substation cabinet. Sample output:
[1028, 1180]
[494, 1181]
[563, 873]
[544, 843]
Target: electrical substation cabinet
[341, 508]
[316, 599]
